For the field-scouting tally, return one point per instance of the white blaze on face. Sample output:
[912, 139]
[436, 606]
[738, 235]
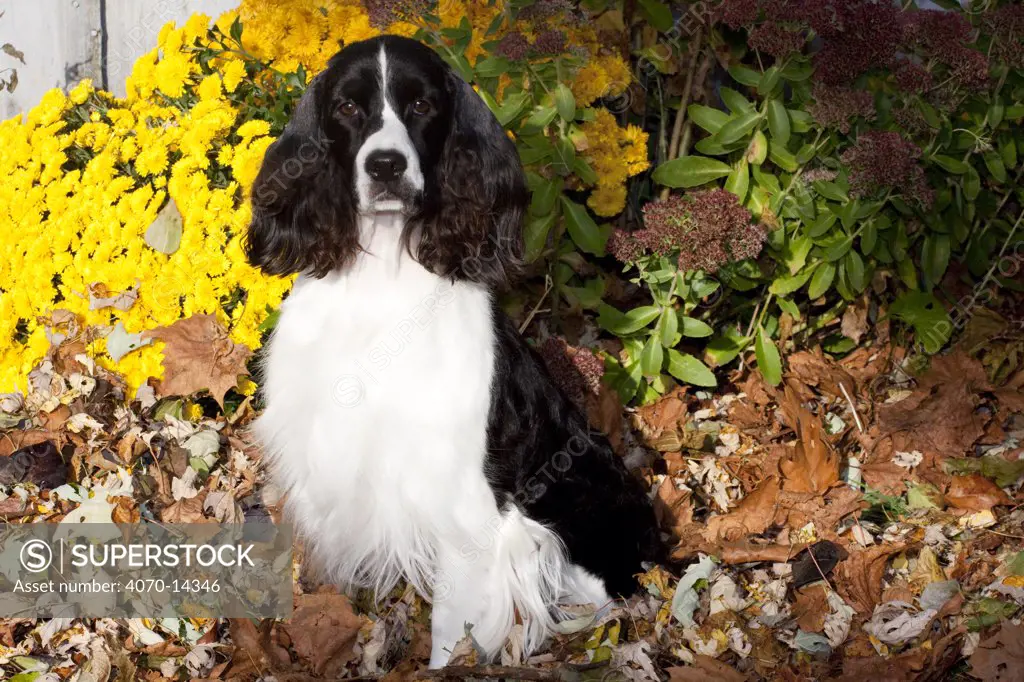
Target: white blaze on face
[391, 136]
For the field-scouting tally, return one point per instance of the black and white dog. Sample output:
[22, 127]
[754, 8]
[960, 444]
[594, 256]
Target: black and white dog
[416, 433]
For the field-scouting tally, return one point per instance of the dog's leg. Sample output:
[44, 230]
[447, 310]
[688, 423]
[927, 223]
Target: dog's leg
[460, 598]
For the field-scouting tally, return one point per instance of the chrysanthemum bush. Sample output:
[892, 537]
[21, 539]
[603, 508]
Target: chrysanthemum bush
[805, 154]
[129, 213]
[876, 145]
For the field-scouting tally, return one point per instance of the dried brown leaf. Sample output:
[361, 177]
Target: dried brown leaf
[858, 578]
[199, 355]
[751, 516]
[186, 510]
[811, 607]
[813, 467]
[975, 493]
[705, 669]
[673, 507]
[814, 369]
[855, 320]
[941, 417]
[1000, 658]
[323, 630]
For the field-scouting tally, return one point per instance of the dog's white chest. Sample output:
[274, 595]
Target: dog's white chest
[377, 386]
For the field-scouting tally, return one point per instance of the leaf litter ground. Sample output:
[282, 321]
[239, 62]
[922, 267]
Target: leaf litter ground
[860, 520]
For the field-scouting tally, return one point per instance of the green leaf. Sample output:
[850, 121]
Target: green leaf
[689, 369]
[778, 122]
[822, 224]
[544, 196]
[907, 272]
[723, 349]
[783, 286]
[695, 329]
[622, 324]
[707, 118]
[737, 103]
[869, 237]
[757, 151]
[925, 314]
[582, 228]
[738, 181]
[838, 250]
[822, 280]
[541, 117]
[830, 190]
[510, 109]
[855, 271]
[584, 172]
[652, 356]
[1008, 152]
[972, 184]
[669, 323]
[794, 256]
[744, 75]
[768, 81]
[950, 164]
[996, 113]
[806, 153]
[565, 102]
[788, 306]
[935, 257]
[782, 157]
[491, 67]
[995, 165]
[535, 235]
[690, 171]
[798, 70]
[737, 128]
[658, 14]
[768, 361]
[565, 155]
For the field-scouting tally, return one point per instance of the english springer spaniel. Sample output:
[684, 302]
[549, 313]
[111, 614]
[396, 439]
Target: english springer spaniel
[415, 432]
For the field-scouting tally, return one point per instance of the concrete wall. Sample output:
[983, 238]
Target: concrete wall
[65, 41]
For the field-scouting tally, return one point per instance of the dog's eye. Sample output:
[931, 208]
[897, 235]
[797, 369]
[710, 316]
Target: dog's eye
[421, 107]
[348, 109]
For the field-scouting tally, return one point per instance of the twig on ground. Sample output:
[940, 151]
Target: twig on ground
[853, 407]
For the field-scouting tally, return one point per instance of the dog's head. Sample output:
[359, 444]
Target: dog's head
[389, 128]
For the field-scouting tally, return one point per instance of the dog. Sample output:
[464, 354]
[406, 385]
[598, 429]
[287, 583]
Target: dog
[416, 433]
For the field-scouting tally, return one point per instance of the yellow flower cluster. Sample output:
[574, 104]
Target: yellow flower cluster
[615, 154]
[86, 175]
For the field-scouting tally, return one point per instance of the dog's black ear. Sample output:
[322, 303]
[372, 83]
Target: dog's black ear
[475, 230]
[303, 215]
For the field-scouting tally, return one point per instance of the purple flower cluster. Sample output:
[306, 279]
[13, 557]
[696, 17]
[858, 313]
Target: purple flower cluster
[737, 13]
[383, 13]
[945, 37]
[910, 76]
[549, 42]
[577, 370]
[776, 40]
[861, 34]
[516, 46]
[833, 107]
[1006, 27]
[708, 229]
[882, 158]
[546, 9]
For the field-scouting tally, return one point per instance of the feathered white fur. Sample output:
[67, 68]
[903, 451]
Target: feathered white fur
[377, 383]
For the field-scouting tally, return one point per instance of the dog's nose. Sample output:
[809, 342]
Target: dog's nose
[385, 166]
